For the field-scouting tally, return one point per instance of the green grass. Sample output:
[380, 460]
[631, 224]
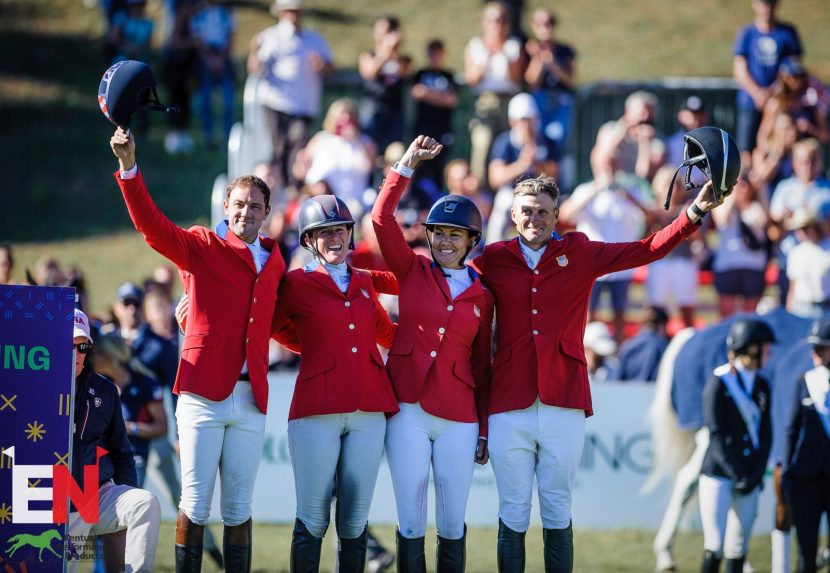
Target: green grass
[55, 164]
[595, 551]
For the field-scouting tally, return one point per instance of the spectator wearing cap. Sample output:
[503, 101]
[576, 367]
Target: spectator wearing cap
[808, 265]
[99, 423]
[292, 61]
[518, 153]
[632, 138]
[639, 356]
[795, 95]
[760, 46]
[127, 311]
[600, 348]
[806, 472]
[807, 187]
[691, 116]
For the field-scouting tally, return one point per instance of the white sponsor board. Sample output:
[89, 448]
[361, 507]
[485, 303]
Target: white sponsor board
[615, 463]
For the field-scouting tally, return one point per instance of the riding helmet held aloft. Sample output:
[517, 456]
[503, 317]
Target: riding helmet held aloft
[127, 87]
[324, 211]
[713, 151]
[456, 211]
[746, 332]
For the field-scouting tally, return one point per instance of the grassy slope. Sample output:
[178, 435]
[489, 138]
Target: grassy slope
[54, 158]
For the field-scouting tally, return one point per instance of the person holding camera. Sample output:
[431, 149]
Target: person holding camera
[736, 410]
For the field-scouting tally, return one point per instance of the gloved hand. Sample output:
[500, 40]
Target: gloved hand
[742, 486]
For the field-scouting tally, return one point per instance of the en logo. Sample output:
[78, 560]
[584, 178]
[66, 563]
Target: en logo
[63, 487]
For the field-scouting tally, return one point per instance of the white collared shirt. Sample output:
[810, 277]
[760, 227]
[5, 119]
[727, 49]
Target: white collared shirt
[532, 257]
[340, 275]
[458, 280]
[259, 253]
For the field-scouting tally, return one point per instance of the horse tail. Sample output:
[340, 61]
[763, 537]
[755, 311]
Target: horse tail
[671, 445]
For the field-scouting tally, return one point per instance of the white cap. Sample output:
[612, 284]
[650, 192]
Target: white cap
[598, 338]
[81, 325]
[280, 5]
[522, 106]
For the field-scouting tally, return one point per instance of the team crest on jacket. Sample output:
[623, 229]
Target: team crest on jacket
[97, 402]
[562, 260]
[476, 311]
[364, 292]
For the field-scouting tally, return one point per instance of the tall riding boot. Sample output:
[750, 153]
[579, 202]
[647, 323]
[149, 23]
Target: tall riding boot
[711, 562]
[451, 554]
[735, 565]
[305, 550]
[559, 549]
[188, 545]
[236, 545]
[511, 550]
[351, 553]
[411, 554]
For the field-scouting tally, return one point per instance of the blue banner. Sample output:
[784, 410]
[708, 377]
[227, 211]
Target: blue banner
[36, 375]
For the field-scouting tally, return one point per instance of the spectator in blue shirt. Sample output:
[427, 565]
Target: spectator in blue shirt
[759, 49]
[639, 356]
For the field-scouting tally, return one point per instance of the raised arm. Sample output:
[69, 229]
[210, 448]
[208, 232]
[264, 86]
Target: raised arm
[181, 247]
[393, 245]
[610, 257]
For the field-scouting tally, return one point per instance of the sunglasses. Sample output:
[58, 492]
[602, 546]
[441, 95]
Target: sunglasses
[83, 347]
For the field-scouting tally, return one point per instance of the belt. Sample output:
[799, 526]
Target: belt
[244, 377]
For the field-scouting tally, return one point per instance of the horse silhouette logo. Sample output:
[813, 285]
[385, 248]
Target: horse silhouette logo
[42, 541]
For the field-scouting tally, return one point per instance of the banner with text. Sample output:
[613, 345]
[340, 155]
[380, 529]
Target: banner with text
[36, 374]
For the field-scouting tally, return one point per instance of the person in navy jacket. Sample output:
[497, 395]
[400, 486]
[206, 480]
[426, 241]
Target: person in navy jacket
[736, 410]
[98, 423]
[806, 475]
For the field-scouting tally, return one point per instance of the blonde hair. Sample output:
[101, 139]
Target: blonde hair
[536, 186]
[337, 107]
[111, 345]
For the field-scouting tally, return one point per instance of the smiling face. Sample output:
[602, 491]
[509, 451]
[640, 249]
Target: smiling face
[246, 209]
[332, 243]
[535, 217]
[449, 245]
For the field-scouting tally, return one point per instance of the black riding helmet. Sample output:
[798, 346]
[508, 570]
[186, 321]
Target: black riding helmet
[711, 150]
[748, 332]
[127, 87]
[324, 211]
[456, 211]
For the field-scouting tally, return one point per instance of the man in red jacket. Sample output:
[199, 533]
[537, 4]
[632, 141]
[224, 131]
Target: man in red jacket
[539, 395]
[233, 275]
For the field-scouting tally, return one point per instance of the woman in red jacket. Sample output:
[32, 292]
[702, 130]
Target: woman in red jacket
[439, 366]
[337, 420]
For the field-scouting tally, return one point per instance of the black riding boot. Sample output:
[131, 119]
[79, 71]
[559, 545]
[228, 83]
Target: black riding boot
[410, 554]
[559, 549]
[735, 565]
[511, 550]
[188, 559]
[351, 553]
[451, 554]
[236, 545]
[711, 562]
[305, 550]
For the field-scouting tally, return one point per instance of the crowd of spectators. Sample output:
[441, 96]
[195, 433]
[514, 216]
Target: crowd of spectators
[772, 232]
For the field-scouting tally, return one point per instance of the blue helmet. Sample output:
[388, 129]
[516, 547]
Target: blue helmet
[127, 87]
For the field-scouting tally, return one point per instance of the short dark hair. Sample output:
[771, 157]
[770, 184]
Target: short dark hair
[436, 44]
[535, 186]
[249, 181]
